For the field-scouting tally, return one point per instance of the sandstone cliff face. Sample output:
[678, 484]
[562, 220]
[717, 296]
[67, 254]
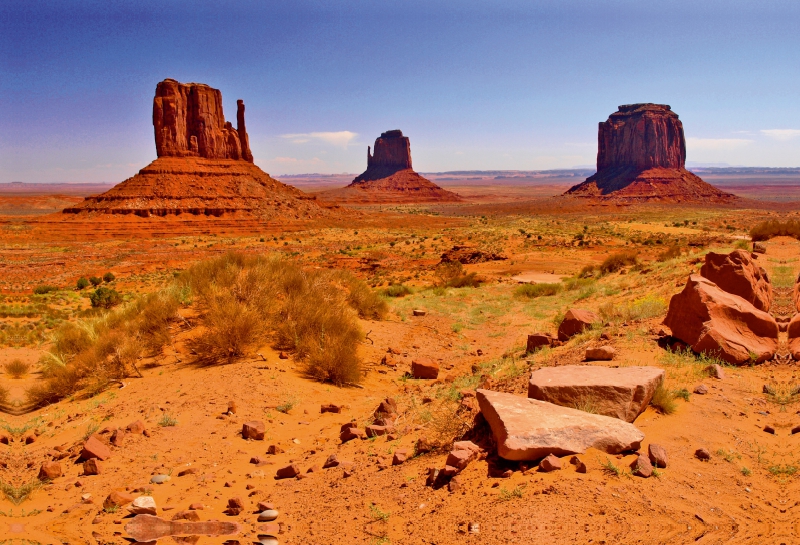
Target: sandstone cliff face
[188, 122]
[641, 155]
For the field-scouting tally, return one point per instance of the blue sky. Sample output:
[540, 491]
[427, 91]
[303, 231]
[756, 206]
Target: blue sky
[475, 84]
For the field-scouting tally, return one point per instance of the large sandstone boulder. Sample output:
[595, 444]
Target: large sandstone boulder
[718, 323]
[622, 393]
[529, 429]
[576, 321]
[738, 274]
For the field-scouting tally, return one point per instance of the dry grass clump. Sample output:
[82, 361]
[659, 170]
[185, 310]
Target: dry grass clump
[3, 395]
[531, 291]
[311, 312]
[17, 368]
[640, 309]
[396, 290]
[774, 228]
[93, 353]
[451, 275]
[670, 253]
[664, 400]
[617, 261]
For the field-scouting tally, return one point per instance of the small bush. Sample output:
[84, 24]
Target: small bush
[531, 291]
[617, 261]
[167, 421]
[95, 280]
[451, 275]
[571, 284]
[396, 290]
[587, 271]
[44, 289]
[82, 283]
[670, 253]
[663, 400]
[3, 395]
[741, 245]
[17, 368]
[109, 277]
[105, 298]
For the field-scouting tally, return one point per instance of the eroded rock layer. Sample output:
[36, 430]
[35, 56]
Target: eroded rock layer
[641, 155]
[211, 187]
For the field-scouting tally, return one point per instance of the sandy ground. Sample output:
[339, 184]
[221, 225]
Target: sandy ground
[746, 493]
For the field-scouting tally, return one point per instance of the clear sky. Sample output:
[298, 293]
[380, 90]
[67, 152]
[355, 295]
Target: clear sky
[474, 84]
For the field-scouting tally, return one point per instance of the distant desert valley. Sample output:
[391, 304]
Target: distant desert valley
[205, 353]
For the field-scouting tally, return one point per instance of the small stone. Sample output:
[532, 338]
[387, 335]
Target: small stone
[375, 430]
[716, 371]
[118, 499]
[253, 430]
[232, 408]
[550, 463]
[641, 467]
[92, 466]
[795, 430]
[267, 540]
[196, 507]
[658, 455]
[49, 471]
[400, 456]
[424, 368]
[701, 389]
[160, 479]
[574, 460]
[702, 454]
[433, 474]
[237, 503]
[267, 515]
[330, 408]
[265, 506]
[283, 356]
[287, 472]
[474, 528]
[423, 446]
[143, 505]
[94, 448]
[117, 436]
[332, 461]
[455, 484]
[186, 515]
[136, 428]
[580, 467]
[419, 312]
[187, 471]
[602, 353]
[769, 429]
[349, 433]
[274, 449]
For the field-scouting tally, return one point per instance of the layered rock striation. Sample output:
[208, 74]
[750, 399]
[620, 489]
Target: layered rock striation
[204, 167]
[641, 155]
[390, 177]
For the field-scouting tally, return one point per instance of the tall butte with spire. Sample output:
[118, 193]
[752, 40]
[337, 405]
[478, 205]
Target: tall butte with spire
[390, 177]
[204, 166]
[641, 156]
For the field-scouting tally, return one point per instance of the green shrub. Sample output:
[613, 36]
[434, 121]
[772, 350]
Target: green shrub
[105, 298]
[617, 261]
[396, 290]
[109, 277]
[82, 283]
[664, 400]
[44, 289]
[95, 280]
[531, 291]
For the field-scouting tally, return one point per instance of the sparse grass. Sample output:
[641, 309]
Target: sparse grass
[167, 421]
[377, 513]
[746, 472]
[18, 494]
[396, 290]
[91, 429]
[17, 368]
[640, 309]
[779, 470]
[531, 291]
[507, 495]
[610, 469]
[663, 400]
[670, 253]
[286, 406]
[682, 393]
[728, 455]
[617, 261]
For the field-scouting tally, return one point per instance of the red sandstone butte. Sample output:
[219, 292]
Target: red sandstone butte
[390, 177]
[641, 156]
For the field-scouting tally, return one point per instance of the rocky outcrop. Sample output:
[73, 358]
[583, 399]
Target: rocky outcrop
[188, 122]
[622, 393]
[389, 177]
[738, 274]
[529, 429]
[721, 324]
[641, 155]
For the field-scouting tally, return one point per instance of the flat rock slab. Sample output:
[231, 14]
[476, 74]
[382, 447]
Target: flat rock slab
[622, 392]
[150, 528]
[529, 429]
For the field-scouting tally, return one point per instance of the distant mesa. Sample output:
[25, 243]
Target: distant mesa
[390, 177]
[641, 156]
[204, 166]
